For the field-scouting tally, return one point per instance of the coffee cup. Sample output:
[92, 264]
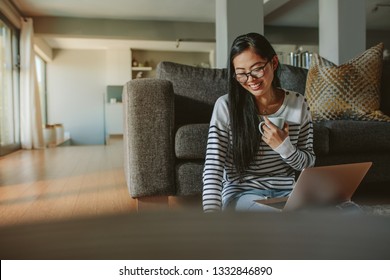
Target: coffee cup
[278, 121]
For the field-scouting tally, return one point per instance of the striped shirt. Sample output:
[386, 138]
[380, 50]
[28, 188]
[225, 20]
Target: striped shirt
[270, 169]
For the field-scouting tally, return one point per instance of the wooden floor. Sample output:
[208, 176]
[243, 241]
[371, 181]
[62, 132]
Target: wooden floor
[63, 183]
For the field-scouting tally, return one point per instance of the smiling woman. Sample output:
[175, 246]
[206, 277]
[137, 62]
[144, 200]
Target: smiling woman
[241, 164]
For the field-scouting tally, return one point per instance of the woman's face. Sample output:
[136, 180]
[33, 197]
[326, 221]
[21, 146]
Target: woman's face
[254, 72]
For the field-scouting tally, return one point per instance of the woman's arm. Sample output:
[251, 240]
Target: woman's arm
[217, 146]
[214, 168]
[302, 155]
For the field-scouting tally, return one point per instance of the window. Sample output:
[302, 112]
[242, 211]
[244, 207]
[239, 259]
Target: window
[41, 77]
[9, 88]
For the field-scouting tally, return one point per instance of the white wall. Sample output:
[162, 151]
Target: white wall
[118, 66]
[76, 81]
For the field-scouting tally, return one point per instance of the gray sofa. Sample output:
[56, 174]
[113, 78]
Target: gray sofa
[166, 127]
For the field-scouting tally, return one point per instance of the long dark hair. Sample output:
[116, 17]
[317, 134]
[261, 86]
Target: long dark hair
[243, 111]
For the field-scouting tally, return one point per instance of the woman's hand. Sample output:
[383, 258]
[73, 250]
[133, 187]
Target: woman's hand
[274, 136]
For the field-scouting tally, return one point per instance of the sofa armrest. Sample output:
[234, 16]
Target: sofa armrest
[148, 137]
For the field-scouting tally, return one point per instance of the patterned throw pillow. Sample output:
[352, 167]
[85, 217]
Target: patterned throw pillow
[347, 91]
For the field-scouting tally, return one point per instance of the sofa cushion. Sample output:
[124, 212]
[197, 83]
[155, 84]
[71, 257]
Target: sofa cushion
[195, 97]
[378, 173]
[196, 90]
[321, 139]
[347, 91]
[385, 88]
[348, 136]
[191, 141]
[293, 78]
[189, 178]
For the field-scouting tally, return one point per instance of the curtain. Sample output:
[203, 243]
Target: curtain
[31, 132]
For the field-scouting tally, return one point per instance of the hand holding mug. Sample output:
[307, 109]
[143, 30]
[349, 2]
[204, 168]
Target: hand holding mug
[274, 131]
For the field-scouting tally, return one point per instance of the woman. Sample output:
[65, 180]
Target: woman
[241, 164]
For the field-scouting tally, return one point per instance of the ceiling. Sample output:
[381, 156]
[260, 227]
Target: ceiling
[297, 13]
[172, 10]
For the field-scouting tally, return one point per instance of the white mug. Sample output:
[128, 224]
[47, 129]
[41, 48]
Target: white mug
[278, 121]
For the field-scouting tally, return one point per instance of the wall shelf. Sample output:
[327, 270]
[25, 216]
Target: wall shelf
[141, 69]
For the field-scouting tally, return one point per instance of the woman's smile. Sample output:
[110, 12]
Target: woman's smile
[256, 86]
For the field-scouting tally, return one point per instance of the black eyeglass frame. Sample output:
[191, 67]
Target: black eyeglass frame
[250, 73]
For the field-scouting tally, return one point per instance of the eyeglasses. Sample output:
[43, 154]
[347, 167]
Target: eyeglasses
[255, 73]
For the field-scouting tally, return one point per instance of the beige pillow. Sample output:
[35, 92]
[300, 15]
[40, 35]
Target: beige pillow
[347, 91]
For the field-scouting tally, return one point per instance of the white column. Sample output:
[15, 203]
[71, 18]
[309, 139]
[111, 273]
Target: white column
[342, 29]
[234, 18]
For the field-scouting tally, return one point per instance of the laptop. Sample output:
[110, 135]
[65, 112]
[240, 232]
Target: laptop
[322, 186]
